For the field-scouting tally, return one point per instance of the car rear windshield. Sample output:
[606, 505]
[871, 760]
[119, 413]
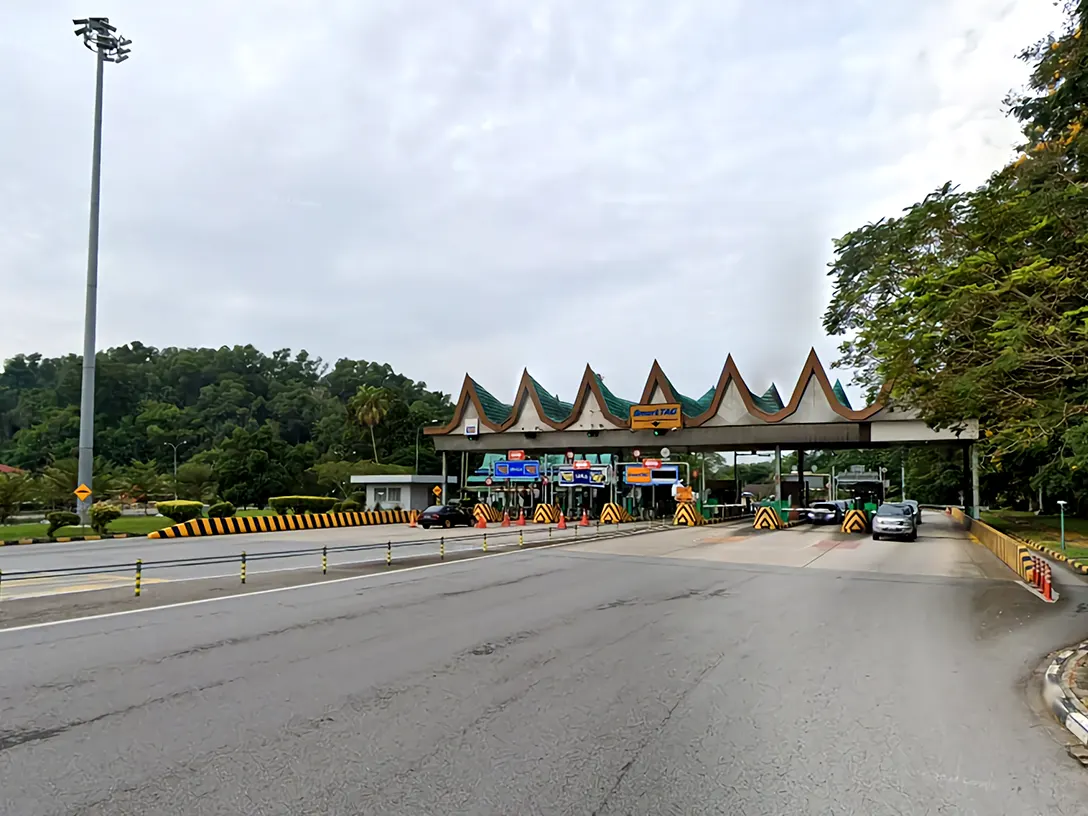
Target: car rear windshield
[435, 508]
[891, 510]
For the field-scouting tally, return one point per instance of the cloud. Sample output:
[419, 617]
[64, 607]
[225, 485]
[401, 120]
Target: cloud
[446, 187]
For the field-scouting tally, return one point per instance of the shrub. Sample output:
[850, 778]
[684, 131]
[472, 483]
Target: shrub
[181, 510]
[337, 507]
[359, 498]
[223, 509]
[58, 519]
[350, 506]
[301, 504]
[102, 515]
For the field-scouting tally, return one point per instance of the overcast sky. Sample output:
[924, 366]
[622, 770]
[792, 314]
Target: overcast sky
[486, 185]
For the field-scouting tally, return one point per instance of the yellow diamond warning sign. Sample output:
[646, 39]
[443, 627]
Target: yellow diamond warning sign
[82, 492]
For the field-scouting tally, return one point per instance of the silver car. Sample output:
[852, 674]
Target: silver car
[894, 521]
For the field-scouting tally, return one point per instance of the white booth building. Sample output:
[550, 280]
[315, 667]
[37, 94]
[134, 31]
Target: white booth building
[402, 492]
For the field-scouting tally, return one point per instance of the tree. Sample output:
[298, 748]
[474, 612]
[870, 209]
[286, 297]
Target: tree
[196, 482]
[15, 489]
[975, 303]
[368, 407]
[141, 481]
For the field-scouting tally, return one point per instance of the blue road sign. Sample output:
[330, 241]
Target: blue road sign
[507, 469]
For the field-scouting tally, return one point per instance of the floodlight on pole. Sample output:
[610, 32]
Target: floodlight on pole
[101, 37]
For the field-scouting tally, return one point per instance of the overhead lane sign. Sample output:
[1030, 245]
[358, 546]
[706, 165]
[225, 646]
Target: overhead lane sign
[528, 469]
[661, 416]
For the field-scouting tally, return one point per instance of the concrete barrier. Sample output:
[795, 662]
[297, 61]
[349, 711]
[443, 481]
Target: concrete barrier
[687, 514]
[1014, 552]
[270, 524]
[546, 514]
[767, 518]
[615, 514]
[487, 512]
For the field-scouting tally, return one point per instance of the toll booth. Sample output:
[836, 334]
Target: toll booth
[866, 489]
[648, 488]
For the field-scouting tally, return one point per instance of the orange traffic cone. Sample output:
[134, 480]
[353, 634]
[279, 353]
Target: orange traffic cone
[481, 523]
[562, 522]
[412, 519]
[505, 519]
[521, 518]
[585, 519]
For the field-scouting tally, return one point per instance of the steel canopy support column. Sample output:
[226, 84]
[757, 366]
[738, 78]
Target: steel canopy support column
[445, 471]
[802, 485]
[778, 473]
[974, 482]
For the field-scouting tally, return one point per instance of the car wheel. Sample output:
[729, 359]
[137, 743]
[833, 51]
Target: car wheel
[876, 536]
[447, 524]
[913, 536]
[425, 526]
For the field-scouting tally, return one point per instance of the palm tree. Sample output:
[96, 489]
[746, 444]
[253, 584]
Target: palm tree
[369, 407]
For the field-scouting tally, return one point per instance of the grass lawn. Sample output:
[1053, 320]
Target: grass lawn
[1043, 530]
[133, 525]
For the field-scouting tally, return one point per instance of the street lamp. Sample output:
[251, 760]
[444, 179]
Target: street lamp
[1061, 507]
[175, 447]
[419, 432]
[109, 46]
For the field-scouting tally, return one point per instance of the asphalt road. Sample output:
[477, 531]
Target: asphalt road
[407, 541]
[557, 681]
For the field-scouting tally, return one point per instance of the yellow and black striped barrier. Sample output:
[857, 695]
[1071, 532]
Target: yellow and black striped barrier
[487, 512]
[615, 514]
[767, 518]
[271, 524]
[687, 514]
[546, 514]
[855, 521]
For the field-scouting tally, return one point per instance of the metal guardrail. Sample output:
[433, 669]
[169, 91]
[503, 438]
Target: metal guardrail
[242, 559]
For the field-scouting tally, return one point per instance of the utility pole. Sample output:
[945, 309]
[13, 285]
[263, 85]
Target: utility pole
[102, 38]
[175, 447]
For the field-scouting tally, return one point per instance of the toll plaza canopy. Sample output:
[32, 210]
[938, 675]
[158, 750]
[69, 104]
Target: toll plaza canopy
[729, 416]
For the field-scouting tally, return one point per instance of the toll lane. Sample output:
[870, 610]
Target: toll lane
[546, 682]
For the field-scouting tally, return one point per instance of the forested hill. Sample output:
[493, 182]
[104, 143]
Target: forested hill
[293, 407]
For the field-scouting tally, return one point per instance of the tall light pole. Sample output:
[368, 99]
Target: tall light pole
[102, 38]
[175, 447]
[1061, 505]
[419, 432]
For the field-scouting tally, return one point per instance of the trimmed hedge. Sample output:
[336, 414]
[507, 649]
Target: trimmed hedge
[180, 511]
[350, 506]
[223, 509]
[102, 515]
[338, 507]
[301, 504]
[60, 518]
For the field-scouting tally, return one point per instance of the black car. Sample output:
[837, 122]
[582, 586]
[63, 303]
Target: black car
[445, 515]
[827, 512]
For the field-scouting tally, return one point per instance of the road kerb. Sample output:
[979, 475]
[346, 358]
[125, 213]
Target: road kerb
[1063, 703]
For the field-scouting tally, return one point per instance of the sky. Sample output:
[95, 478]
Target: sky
[487, 186]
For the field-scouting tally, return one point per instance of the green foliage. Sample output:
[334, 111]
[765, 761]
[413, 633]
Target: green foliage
[141, 481]
[181, 510]
[58, 519]
[369, 407]
[301, 504]
[102, 514]
[337, 507]
[350, 506]
[197, 398]
[221, 510]
[359, 497]
[974, 304]
[14, 490]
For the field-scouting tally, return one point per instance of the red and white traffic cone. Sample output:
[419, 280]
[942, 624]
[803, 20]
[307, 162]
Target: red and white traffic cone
[412, 519]
[585, 519]
[562, 522]
[521, 518]
[481, 523]
[505, 519]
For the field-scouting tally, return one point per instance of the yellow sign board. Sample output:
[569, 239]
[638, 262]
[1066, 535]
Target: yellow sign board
[684, 494]
[436, 490]
[656, 417]
[82, 492]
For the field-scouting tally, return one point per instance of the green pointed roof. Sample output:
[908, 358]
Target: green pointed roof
[769, 402]
[496, 411]
[617, 406]
[554, 408]
[840, 395]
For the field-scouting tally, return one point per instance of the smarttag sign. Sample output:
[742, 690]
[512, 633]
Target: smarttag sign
[581, 477]
[660, 416]
[525, 470]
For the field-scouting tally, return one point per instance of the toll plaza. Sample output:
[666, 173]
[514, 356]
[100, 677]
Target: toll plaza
[600, 450]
